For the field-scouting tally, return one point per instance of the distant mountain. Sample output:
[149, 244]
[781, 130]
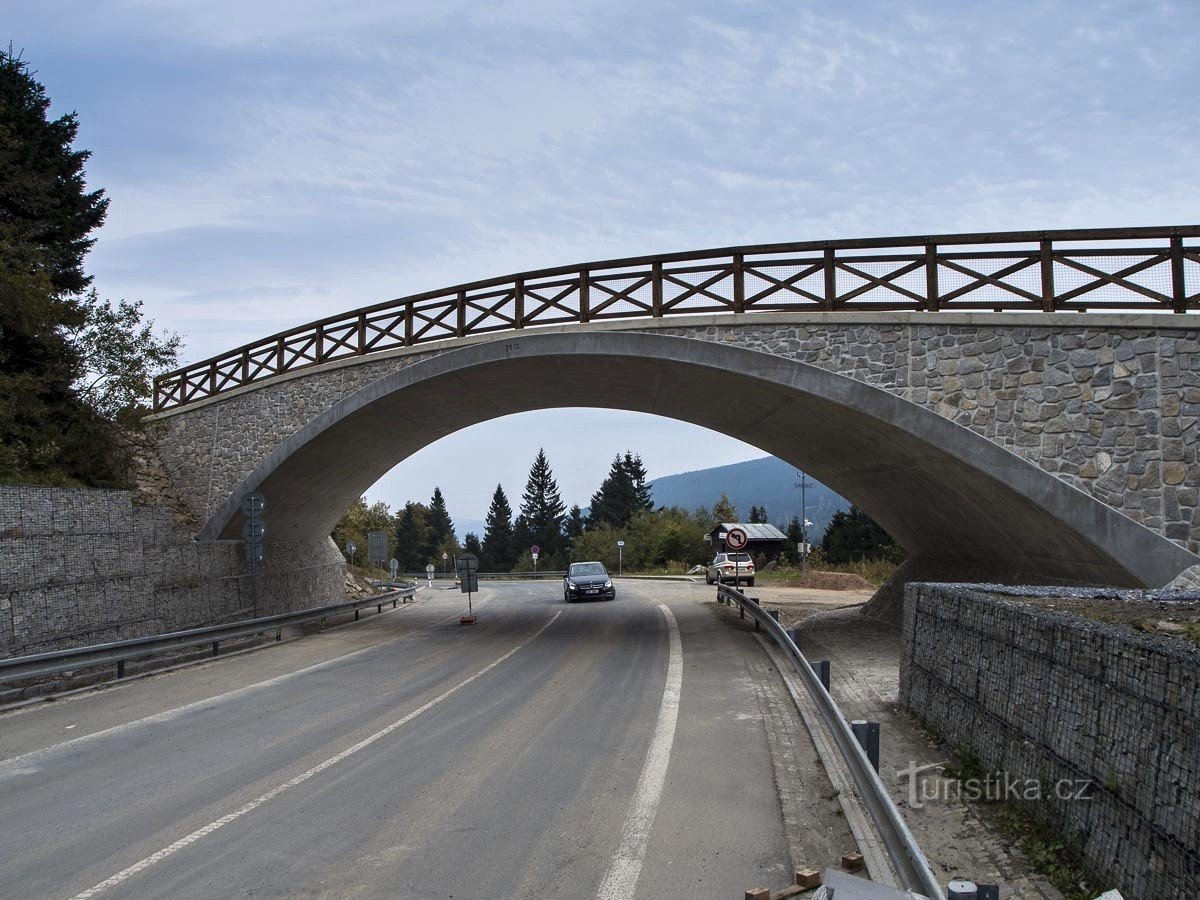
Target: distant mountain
[768, 482]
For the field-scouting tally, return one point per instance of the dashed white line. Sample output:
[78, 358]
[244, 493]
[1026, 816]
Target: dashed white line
[200, 833]
[620, 881]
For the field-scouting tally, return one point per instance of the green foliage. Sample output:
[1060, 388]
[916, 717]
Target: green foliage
[69, 367]
[622, 494]
[758, 515]
[723, 510]
[540, 521]
[357, 522]
[654, 541]
[573, 526]
[412, 543]
[440, 537]
[499, 543]
[853, 536]
[471, 544]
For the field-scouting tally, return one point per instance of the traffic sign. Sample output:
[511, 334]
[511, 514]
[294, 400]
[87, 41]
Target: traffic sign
[395, 568]
[253, 504]
[468, 563]
[736, 539]
[620, 543]
[351, 547]
[429, 570]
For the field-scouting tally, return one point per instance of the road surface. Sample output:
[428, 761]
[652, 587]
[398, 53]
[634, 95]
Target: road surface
[611, 749]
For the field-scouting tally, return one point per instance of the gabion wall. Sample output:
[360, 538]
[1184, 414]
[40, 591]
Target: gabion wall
[1053, 698]
[84, 567]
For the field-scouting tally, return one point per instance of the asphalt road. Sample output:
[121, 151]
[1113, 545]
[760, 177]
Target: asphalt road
[603, 749]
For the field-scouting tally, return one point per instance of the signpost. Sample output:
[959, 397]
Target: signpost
[620, 557]
[253, 533]
[377, 542]
[534, 551]
[351, 548]
[445, 556]
[467, 567]
[736, 539]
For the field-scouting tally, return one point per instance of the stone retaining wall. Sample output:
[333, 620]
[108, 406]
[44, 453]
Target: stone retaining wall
[1039, 694]
[83, 567]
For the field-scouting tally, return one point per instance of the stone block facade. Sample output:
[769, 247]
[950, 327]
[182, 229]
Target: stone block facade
[1108, 404]
[82, 567]
[1051, 698]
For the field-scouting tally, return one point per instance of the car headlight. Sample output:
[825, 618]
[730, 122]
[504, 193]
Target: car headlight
[608, 583]
[572, 585]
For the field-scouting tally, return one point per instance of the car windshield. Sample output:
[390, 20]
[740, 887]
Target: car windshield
[587, 569]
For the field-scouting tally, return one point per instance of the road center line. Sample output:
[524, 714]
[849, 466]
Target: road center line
[620, 881]
[199, 833]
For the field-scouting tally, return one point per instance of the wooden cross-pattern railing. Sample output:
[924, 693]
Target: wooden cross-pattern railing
[1107, 269]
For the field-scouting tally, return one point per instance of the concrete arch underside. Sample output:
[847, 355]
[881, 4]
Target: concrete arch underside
[944, 492]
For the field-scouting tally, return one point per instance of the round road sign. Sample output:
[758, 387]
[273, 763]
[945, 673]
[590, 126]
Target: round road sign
[429, 569]
[736, 539]
[535, 550]
[253, 504]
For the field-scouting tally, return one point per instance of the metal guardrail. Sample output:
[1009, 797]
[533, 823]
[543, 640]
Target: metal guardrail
[910, 863]
[42, 664]
[1126, 269]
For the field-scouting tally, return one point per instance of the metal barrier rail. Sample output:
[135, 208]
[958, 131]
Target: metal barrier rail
[1151, 269]
[909, 862]
[488, 576]
[42, 664]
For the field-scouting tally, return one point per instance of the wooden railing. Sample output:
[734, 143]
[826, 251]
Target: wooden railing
[1107, 269]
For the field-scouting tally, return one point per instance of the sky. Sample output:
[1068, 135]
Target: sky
[269, 163]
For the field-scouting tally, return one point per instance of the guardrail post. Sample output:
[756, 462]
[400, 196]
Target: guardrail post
[379, 608]
[821, 668]
[216, 648]
[356, 615]
[961, 889]
[120, 668]
[774, 614]
[867, 734]
[322, 623]
[278, 635]
[794, 636]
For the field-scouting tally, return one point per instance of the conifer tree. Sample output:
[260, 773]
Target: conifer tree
[539, 523]
[499, 548]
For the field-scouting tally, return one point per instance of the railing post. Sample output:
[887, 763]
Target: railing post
[460, 325]
[519, 304]
[362, 333]
[739, 283]
[245, 367]
[1047, 276]
[656, 289]
[279, 356]
[584, 299]
[212, 379]
[320, 343]
[931, 278]
[408, 324]
[157, 401]
[1178, 288]
[830, 279]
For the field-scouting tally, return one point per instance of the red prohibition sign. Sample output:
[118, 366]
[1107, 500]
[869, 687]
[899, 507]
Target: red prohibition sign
[736, 539]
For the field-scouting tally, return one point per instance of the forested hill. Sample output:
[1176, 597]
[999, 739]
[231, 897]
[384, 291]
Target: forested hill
[768, 482]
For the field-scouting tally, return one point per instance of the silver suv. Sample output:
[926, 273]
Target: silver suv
[734, 567]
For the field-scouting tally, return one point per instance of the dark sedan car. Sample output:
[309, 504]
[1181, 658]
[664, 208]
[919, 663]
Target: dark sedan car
[588, 580]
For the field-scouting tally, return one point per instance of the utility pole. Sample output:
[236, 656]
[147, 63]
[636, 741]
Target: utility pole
[804, 484]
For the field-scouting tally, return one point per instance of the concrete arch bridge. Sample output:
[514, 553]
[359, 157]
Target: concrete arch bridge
[947, 384]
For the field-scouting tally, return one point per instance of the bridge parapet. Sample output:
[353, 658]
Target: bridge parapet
[1113, 269]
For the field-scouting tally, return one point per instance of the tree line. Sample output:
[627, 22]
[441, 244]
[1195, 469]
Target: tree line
[75, 369]
[622, 509]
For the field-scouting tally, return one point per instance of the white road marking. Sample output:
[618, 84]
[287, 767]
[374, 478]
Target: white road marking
[200, 833]
[13, 765]
[620, 881]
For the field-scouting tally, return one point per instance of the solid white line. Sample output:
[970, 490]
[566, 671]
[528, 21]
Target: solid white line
[16, 763]
[199, 833]
[620, 881]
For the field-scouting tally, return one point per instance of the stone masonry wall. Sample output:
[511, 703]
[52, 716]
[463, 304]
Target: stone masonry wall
[1039, 694]
[83, 567]
[1109, 408]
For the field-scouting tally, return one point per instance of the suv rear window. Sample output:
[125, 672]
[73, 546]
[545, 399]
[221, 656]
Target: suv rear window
[738, 557]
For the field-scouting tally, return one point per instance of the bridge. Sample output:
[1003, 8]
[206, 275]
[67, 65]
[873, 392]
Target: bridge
[947, 384]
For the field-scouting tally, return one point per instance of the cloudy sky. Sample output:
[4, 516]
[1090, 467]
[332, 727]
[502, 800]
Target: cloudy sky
[271, 162]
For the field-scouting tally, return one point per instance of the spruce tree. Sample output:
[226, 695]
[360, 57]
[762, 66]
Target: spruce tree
[572, 526]
[499, 548]
[412, 551]
[612, 504]
[471, 544]
[441, 528]
[636, 472]
[542, 510]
